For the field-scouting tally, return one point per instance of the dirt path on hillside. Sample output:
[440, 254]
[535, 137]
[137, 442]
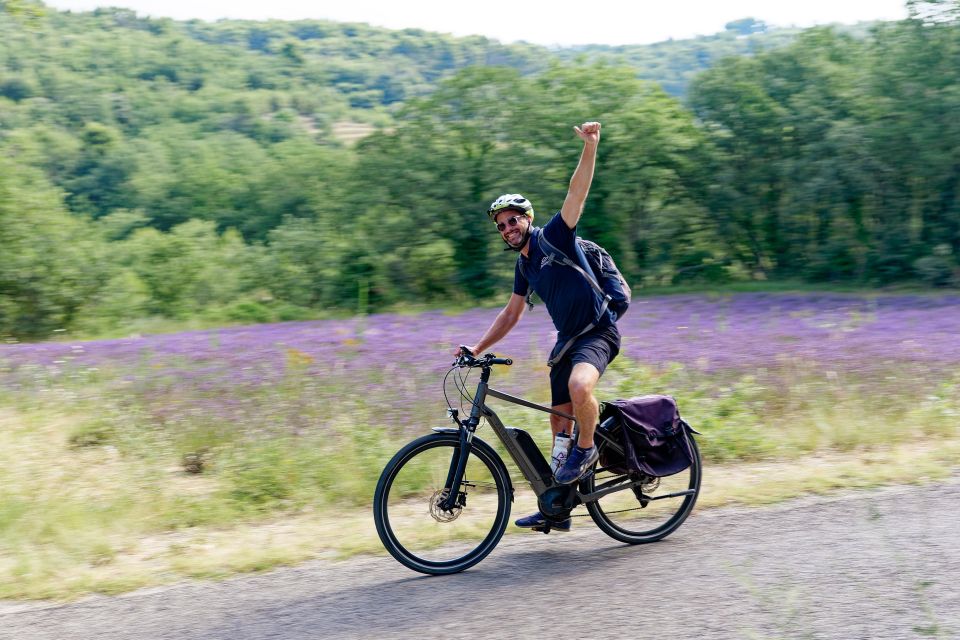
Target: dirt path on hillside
[877, 564]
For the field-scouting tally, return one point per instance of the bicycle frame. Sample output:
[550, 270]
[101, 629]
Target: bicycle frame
[531, 468]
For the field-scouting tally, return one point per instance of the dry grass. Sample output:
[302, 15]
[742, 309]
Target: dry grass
[95, 519]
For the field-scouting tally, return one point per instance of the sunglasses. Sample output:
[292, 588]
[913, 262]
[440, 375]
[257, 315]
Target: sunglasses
[512, 221]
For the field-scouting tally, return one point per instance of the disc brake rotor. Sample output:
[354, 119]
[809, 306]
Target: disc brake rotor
[439, 514]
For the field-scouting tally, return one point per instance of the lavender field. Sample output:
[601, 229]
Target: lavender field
[387, 369]
[211, 428]
[739, 331]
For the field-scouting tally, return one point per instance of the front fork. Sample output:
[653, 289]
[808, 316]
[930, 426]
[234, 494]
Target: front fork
[467, 428]
[458, 463]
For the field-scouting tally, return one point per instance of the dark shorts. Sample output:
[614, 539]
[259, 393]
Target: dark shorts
[599, 348]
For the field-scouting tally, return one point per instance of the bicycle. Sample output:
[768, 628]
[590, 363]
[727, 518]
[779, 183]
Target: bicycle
[436, 473]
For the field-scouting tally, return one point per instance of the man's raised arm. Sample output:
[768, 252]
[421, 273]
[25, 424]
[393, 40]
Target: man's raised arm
[589, 132]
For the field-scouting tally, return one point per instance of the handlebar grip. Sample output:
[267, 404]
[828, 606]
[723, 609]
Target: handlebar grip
[467, 359]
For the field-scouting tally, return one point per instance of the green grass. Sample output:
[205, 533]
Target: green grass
[96, 496]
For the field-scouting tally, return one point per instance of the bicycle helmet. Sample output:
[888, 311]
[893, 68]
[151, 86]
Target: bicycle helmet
[513, 202]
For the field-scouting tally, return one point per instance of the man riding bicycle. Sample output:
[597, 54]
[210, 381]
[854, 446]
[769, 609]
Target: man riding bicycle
[572, 304]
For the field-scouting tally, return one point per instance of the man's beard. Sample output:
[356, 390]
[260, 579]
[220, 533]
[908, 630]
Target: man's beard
[523, 242]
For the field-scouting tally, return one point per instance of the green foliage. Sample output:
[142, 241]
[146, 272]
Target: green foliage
[795, 410]
[26, 10]
[674, 64]
[49, 266]
[490, 131]
[936, 270]
[731, 413]
[264, 473]
[16, 89]
[291, 472]
[156, 169]
[809, 139]
[91, 434]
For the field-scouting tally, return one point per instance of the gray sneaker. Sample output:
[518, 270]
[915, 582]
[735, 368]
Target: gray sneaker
[537, 522]
[576, 464]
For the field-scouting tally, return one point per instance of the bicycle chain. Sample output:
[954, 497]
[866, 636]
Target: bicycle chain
[515, 479]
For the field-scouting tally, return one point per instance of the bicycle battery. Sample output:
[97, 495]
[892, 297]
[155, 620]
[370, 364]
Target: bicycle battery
[532, 453]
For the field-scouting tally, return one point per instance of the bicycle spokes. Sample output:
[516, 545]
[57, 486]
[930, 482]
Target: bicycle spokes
[644, 509]
[439, 536]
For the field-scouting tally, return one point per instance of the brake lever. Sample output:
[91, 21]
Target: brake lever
[466, 358]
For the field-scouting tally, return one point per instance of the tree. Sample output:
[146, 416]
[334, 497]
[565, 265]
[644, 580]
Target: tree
[746, 26]
[50, 259]
[490, 131]
[188, 269]
[23, 9]
[433, 176]
[98, 181]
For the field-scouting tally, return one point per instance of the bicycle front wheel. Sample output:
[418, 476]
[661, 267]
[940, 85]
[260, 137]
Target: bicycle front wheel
[647, 512]
[406, 510]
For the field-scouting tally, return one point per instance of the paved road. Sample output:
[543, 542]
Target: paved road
[879, 564]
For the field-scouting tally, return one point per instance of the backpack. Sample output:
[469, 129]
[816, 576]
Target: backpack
[654, 438]
[602, 274]
[607, 274]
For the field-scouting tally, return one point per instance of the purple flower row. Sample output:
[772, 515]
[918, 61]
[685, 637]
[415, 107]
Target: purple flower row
[723, 331]
[388, 367]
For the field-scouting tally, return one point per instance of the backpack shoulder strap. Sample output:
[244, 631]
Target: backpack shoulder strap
[560, 256]
[523, 272]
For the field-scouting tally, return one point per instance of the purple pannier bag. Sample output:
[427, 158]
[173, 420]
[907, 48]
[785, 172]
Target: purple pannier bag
[652, 434]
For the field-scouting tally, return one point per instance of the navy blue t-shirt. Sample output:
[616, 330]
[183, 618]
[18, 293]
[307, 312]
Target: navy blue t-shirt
[569, 298]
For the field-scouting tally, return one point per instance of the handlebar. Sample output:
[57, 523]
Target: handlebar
[467, 359]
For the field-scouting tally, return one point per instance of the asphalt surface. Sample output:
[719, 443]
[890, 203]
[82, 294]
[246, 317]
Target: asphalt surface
[876, 564]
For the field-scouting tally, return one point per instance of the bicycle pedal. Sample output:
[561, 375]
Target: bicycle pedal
[642, 498]
[544, 529]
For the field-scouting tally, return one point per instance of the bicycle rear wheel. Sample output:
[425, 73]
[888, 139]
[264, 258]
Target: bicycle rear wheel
[413, 528]
[648, 512]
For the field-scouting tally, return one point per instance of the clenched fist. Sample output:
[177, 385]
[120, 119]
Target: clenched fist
[589, 132]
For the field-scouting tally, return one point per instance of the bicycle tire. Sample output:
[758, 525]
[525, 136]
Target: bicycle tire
[645, 524]
[416, 538]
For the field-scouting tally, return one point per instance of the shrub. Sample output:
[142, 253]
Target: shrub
[91, 434]
[935, 270]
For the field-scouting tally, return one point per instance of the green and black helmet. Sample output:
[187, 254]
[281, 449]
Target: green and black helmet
[511, 201]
